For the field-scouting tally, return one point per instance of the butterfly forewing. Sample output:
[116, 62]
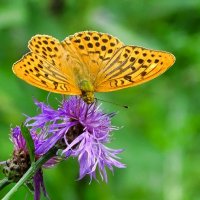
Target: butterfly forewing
[132, 65]
[52, 51]
[93, 50]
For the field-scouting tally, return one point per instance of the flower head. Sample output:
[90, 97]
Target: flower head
[17, 166]
[20, 161]
[83, 131]
[17, 139]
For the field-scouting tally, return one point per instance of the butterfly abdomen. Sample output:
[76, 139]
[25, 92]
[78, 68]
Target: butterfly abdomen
[87, 90]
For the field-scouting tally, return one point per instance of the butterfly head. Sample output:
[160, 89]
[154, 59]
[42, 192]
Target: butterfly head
[87, 90]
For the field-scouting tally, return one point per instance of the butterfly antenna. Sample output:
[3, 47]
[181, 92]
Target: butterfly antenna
[124, 106]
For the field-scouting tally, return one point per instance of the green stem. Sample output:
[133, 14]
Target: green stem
[4, 183]
[33, 169]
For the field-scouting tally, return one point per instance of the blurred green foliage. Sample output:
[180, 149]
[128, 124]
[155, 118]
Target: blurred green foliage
[160, 133]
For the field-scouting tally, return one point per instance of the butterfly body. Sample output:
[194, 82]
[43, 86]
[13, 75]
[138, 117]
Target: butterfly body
[88, 62]
[87, 91]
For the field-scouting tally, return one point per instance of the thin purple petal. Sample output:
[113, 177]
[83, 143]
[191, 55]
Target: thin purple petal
[38, 185]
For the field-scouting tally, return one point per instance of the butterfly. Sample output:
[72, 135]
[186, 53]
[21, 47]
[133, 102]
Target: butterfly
[88, 62]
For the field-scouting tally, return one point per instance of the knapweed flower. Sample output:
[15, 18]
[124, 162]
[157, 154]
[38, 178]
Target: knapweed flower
[16, 167]
[82, 130]
[20, 161]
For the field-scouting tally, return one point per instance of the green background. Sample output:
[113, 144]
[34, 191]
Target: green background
[160, 130]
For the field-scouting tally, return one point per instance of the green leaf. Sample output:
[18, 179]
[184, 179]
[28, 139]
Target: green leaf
[29, 142]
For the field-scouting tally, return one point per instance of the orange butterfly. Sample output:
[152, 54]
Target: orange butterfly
[88, 62]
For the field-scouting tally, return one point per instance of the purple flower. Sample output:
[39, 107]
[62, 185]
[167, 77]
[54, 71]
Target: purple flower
[22, 160]
[39, 184]
[83, 129]
[38, 139]
[17, 139]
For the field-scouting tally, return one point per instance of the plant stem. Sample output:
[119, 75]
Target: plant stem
[4, 182]
[31, 171]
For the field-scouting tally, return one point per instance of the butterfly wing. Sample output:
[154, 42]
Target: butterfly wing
[132, 65]
[46, 66]
[90, 51]
[100, 59]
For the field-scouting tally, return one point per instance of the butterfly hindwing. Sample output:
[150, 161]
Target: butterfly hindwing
[35, 70]
[132, 65]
